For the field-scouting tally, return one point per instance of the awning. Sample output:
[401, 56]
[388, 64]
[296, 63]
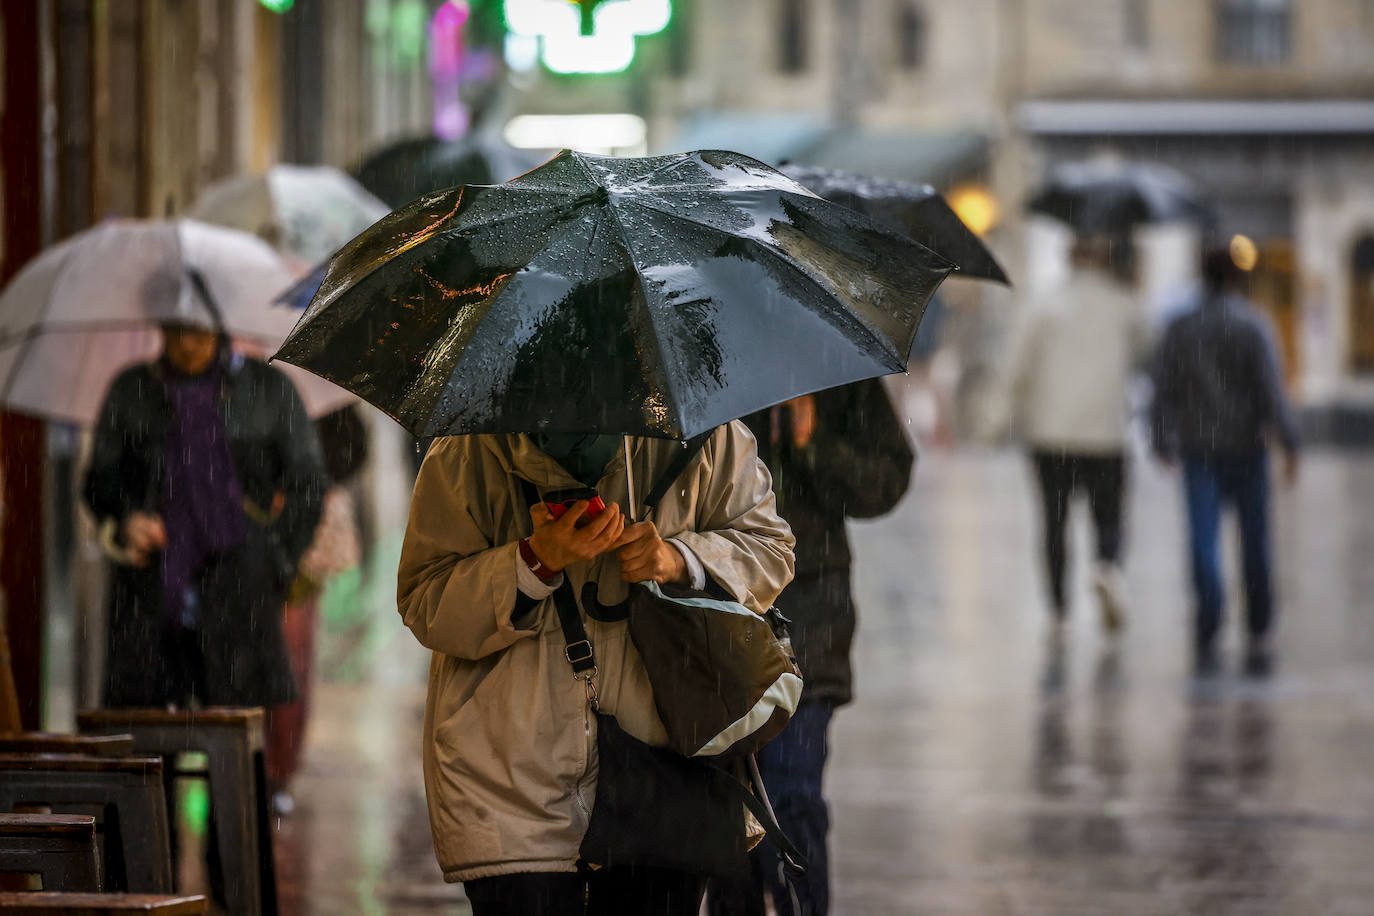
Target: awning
[939, 158]
[1234, 117]
[770, 137]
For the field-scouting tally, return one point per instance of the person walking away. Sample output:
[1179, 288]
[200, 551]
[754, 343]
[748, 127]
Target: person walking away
[1218, 400]
[834, 455]
[1071, 355]
[206, 482]
[510, 747]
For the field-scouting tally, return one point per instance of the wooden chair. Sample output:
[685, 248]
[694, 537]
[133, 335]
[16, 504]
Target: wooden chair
[43, 903]
[232, 740]
[59, 848]
[49, 743]
[125, 795]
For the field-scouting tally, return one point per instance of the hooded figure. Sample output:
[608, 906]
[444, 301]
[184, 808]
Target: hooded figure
[206, 479]
[509, 742]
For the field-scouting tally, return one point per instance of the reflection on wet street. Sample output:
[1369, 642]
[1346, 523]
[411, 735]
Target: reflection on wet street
[987, 768]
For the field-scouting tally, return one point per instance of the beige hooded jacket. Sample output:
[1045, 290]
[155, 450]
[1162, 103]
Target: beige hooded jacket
[509, 744]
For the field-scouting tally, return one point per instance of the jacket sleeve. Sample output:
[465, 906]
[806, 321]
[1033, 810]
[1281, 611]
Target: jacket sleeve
[1006, 391]
[859, 456]
[455, 590]
[1165, 397]
[106, 489]
[1270, 382]
[744, 545]
[303, 479]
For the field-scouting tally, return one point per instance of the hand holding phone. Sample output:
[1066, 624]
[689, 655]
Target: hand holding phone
[558, 502]
[572, 535]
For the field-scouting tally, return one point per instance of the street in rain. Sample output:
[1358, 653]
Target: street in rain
[679, 458]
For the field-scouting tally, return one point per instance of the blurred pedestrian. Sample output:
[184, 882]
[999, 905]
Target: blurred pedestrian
[343, 438]
[206, 480]
[834, 455]
[510, 750]
[1218, 400]
[1072, 352]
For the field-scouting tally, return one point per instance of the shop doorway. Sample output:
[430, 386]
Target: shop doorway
[1362, 306]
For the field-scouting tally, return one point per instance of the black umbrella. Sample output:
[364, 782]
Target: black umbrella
[403, 171]
[1109, 197]
[649, 297]
[916, 210]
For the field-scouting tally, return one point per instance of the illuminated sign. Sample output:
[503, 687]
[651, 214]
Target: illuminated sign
[583, 36]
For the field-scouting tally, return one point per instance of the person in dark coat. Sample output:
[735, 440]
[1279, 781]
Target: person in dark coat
[1218, 402]
[207, 481]
[835, 455]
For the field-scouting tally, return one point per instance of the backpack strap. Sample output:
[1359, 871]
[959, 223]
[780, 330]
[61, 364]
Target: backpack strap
[676, 467]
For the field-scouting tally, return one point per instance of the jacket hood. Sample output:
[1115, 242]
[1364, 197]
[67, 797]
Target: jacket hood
[518, 455]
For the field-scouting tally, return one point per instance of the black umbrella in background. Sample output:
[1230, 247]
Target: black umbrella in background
[916, 210]
[1108, 197]
[650, 297]
[403, 171]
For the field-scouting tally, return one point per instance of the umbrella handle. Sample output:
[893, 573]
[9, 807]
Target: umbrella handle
[629, 481]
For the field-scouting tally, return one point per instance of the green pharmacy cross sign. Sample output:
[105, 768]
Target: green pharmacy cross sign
[586, 36]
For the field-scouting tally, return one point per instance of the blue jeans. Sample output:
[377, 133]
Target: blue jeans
[1210, 483]
[792, 765]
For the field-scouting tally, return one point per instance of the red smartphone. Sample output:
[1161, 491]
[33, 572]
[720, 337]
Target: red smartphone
[558, 501]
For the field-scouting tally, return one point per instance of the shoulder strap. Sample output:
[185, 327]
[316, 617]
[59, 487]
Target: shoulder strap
[676, 467]
[794, 863]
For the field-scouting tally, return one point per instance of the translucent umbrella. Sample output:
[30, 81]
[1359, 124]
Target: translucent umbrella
[308, 212]
[91, 305]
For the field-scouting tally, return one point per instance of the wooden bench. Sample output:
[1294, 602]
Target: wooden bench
[232, 740]
[59, 848]
[48, 904]
[124, 794]
[48, 743]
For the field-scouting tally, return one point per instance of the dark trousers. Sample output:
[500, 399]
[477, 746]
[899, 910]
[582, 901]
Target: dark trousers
[1210, 483]
[792, 766]
[606, 892]
[1102, 477]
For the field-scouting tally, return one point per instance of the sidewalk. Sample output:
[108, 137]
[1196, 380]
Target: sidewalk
[980, 771]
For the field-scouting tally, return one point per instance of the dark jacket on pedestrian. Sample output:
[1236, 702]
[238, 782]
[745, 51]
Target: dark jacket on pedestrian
[857, 465]
[1218, 391]
[239, 591]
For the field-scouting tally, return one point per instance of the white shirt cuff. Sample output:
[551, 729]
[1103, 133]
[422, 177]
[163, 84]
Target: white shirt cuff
[696, 573]
[530, 584]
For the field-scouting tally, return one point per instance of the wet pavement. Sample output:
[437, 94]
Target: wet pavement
[986, 768]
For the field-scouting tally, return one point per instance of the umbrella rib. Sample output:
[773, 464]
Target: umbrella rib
[652, 332]
[882, 342]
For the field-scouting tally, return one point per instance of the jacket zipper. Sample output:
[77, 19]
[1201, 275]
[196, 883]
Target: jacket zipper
[587, 759]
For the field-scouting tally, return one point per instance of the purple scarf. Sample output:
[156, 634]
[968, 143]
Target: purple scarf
[202, 500]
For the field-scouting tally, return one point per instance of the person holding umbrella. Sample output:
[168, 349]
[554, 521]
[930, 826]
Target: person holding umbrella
[1071, 354]
[207, 482]
[572, 328]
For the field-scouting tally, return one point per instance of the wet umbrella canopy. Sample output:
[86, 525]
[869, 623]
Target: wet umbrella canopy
[653, 297]
[403, 171]
[916, 210]
[1106, 196]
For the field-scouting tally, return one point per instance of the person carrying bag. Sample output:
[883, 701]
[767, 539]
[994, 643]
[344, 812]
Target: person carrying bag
[533, 778]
